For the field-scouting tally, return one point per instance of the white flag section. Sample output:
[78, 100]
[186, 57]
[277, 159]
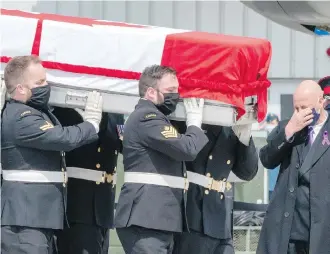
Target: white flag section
[99, 46]
[83, 54]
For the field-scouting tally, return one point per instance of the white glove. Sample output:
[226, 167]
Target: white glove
[194, 111]
[2, 94]
[243, 132]
[93, 109]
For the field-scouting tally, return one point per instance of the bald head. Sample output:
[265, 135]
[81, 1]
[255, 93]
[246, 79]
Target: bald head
[308, 88]
[308, 94]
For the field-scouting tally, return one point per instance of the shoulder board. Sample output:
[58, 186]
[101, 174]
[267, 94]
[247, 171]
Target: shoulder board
[26, 112]
[150, 115]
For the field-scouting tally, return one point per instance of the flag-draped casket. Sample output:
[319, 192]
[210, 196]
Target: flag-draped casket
[83, 54]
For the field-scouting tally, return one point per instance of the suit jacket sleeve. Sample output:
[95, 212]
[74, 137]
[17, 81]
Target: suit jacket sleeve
[246, 164]
[277, 147]
[32, 130]
[159, 134]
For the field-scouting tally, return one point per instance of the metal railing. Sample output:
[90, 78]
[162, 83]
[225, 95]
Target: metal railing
[246, 237]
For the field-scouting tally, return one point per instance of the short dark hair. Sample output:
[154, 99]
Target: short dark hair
[151, 75]
[271, 117]
[15, 70]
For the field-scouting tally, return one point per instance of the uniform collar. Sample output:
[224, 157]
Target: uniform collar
[145, 103]
[11, 100]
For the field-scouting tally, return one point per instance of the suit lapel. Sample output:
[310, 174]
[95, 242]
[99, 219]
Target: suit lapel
[299, 150]
[300, 141]
[320, 148]
[316, 151]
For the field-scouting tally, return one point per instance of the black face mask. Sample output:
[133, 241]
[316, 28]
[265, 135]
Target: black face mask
[169, 104]
[40, 97]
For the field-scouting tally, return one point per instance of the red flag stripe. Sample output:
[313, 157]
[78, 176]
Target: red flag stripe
[81, 69]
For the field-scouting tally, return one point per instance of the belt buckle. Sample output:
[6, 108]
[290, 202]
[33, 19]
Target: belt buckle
[65, 178]
[214, 184]
[228, 186]
[209, 186]
[108, 178]
[217, 185]
[186, 184]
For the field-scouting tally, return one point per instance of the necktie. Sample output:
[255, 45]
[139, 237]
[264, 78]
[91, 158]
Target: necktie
[311, 133]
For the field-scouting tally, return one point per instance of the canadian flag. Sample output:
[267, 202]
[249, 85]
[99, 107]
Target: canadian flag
[211, 66]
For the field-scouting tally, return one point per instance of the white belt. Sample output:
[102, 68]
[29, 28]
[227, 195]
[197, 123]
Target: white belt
[91, 175]
[157, 179]
[208, 182]
[35, 176]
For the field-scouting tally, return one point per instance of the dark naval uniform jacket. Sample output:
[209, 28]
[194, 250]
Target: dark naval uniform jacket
[152, 145]
[295, 168]
[33, 140]
[93, 202]
[208, 211]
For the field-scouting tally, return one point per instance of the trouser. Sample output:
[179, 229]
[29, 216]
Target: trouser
[106, 243]
[139, 240]
[298, 247]
[26, 240]
[81, 239]
[197, 243]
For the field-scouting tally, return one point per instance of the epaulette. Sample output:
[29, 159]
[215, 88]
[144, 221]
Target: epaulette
[150, 115]
[26, 112]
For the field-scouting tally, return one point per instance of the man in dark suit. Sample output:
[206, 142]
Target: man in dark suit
[297, 218]
[325, 86]
[209, 207]
[33, 142]
[91, 186]
[151, 206]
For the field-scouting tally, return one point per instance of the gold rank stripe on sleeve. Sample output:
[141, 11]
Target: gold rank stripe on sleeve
[46, 126]
[169, 132]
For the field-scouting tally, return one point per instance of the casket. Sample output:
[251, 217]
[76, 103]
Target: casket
[82, 54]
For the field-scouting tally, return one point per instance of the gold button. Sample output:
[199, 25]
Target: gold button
[98, 165]
[207, 192]
[228, 162]
[99, 149]
[225, 179]
[208, 175]
[97, 183]
[210, 157]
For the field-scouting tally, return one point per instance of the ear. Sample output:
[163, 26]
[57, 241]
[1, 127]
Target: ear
[151, 92]
[20, 89]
